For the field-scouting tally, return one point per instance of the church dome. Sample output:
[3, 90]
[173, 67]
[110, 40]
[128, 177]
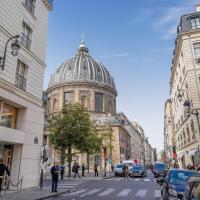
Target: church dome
[82, 68]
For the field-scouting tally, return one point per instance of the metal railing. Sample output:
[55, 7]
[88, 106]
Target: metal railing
[25, 41]
[20, 81]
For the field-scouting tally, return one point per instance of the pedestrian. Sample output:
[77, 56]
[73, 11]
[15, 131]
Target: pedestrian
[75, 169]
[62, 171]
[54, 173]
[83, 169]
[126, 175]
[112, 168]
[3, 168]
[96, 170]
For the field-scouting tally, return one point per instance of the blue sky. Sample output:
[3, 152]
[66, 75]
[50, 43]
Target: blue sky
[134, 39]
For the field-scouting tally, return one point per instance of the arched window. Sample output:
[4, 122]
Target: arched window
[55, 105]
[188, 135]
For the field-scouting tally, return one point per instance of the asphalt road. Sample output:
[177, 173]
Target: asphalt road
[114, 188]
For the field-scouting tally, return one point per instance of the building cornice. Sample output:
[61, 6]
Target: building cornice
[82, 83]
[22, 94]
[48, 4]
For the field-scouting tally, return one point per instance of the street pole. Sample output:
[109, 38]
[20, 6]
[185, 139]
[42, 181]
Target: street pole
[110, 150]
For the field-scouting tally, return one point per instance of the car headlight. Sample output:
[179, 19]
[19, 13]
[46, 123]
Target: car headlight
[173, 192]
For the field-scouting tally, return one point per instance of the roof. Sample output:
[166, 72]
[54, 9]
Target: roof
[82, 68]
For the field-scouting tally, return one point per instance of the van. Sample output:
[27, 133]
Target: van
[159, 169]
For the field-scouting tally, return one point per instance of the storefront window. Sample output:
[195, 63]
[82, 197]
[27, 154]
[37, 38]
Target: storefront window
[7, 115]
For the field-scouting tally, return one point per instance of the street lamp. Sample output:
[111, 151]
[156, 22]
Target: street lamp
[188, 105]
[15, 46]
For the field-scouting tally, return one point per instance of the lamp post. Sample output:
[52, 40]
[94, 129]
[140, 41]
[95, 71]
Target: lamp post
[188, 105]
[15, 46]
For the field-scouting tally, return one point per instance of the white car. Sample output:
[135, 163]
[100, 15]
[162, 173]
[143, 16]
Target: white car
[118, 170]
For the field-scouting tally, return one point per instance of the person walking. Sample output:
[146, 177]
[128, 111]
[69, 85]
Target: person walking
[75, 169]
[3, 168]
[125, 170]
[83, 169]
[62, 171]
[96, 170]
[54, 173]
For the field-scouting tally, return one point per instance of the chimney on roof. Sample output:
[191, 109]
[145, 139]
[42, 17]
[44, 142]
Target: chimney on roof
[197, 8]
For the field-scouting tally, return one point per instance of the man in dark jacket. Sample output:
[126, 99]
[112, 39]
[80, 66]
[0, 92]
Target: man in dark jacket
[3, 168]
[75, 169]
[54, 173]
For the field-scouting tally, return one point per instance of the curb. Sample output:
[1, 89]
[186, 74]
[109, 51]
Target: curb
[108, 177]
[53, 195]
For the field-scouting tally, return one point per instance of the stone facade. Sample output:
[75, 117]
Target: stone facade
[169, 133]
[185, 73]
[21, 85]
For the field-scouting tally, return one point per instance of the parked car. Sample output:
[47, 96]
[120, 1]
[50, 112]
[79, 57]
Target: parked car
[118, 170]
[138, 170]
[192, 191]
[174, 184]
[160, 169]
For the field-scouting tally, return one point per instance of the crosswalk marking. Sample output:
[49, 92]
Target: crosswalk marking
[124, 193]
[91, 192]
[147, 179]
[77, 192]
[157, 193]
[141, 193]
[106, 192]
[118, 179]
[137, 179]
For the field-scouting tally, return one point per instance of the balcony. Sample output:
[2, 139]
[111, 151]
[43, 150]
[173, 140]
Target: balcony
[20, 81]
[25, 41]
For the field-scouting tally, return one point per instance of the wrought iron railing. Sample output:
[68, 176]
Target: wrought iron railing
[20, 81]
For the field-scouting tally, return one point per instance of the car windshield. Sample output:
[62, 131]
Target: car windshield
[160, 166]
[181, 177]
[137, 167]
[119, 166]
[129, 164]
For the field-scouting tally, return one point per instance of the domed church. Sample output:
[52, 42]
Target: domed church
[83, 80]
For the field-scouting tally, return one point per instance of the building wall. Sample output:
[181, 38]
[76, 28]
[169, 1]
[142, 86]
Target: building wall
[185, 75]
[29, 121]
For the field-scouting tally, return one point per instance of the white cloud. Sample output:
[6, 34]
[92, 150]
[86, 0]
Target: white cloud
[169, 20]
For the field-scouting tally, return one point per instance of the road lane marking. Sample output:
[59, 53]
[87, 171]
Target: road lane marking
[157, 193]
[147, 179]
[106, 192]
[137, 179]
[77, 192]
[119, 179]
[124, 193]
[91, 192]
[141, 193]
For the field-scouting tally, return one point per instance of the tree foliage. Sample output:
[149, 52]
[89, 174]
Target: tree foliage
[73, 129]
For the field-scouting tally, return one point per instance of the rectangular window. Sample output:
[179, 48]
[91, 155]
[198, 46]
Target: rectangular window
[30, 5]
[21, 73]
[195, 22]
[98, 102]
[26, 36]
[197, 52]
[68, 97]
[7, 115]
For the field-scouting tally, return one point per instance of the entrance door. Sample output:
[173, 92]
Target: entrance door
[7, 159]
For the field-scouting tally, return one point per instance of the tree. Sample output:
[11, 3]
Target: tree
[73, 129]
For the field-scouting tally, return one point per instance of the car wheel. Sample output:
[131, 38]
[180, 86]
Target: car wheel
[115, 174]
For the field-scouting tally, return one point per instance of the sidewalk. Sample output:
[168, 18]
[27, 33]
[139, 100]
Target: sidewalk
[38, 194]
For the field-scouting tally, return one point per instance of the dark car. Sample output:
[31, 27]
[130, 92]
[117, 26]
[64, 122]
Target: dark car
[139, 170]
[192, 191]
[160, 169]
[174, 184]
